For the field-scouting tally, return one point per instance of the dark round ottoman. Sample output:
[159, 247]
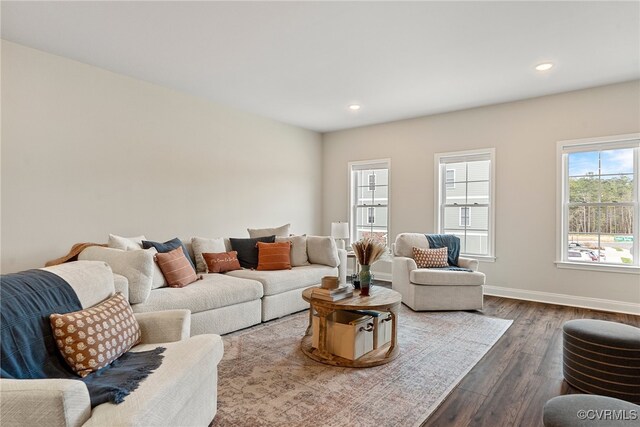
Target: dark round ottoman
[581, 410]
[602, 358]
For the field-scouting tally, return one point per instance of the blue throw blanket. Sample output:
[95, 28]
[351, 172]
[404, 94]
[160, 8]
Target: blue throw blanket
[452, 243]
[28, 349]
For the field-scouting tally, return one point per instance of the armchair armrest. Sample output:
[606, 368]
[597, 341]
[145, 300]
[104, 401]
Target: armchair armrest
[471, 264]
[51, 402]
[164, 326]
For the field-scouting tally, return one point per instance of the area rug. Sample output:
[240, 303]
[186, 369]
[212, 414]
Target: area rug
[264, 379]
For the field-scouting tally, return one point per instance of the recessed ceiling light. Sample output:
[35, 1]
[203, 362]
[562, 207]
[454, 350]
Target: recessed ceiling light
[354, 107]
[544, 66]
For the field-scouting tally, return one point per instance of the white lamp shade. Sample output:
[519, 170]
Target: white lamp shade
[340, 230]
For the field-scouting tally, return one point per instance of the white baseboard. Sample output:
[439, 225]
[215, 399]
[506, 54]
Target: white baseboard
[561, 299]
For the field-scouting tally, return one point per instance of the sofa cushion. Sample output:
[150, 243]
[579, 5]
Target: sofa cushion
[222, 262]
[200, 245]
[92, 281]
[248, 250]
[322, 250]
[274, 256]
[213, 291]
[92, 338]
[298, 249]
[426, 276]
[125, 243]
[282, 231]
[137, 266]
[186, 379]
[276, 282]
[405, 242]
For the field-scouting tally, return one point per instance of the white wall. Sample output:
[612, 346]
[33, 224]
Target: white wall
[86, 152]
[524, 134]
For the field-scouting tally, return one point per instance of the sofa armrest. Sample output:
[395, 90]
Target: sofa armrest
[471, 264]
[121, 284]
[51, 402]
[164, 326]
[342, 267]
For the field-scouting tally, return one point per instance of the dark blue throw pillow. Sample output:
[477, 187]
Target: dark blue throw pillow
[169, 246]
[248, 250]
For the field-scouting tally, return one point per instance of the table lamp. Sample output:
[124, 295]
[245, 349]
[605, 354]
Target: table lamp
[340, 232]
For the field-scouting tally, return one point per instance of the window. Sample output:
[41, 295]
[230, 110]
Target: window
[464, 200]
[451, 179]
[465, 217]
[598, 201]
[369, 197]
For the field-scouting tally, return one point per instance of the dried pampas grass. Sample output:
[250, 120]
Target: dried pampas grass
[368, 251]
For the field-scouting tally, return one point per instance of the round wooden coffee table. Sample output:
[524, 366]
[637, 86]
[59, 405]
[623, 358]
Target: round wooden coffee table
[380, 299]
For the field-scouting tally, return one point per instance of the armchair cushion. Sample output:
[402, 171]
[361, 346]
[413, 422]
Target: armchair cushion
[426, 276]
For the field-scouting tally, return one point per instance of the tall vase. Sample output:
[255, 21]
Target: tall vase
[365, 280]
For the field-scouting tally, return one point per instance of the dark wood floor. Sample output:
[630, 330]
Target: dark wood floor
[523, 370]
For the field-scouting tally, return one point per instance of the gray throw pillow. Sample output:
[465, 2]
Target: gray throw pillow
[298, 249]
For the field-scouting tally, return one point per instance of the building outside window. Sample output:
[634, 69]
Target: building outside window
[465, 200]
[369, 196]
[598, 201]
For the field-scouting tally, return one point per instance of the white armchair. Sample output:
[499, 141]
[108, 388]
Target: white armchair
[425, 289]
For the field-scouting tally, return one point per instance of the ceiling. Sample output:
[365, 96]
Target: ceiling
[303, 63]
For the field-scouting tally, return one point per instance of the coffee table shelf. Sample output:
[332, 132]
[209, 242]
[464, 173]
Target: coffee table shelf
[380, 299]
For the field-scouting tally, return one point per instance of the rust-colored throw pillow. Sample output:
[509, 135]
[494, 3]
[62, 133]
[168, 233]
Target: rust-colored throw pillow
[274, 256]
[176, 268]
[221, 262]
[430, 258]
[92, 338]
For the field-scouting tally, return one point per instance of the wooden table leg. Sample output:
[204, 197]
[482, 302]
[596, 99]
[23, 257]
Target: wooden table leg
[310, 327]
[323, 313]
[393, 311]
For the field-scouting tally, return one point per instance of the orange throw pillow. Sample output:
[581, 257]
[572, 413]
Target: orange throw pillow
[176, 268]
[222, 262]
[92, 338]
[274, 256]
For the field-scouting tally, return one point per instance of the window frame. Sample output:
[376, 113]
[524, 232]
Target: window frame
[440, 191]
[352, 193]
[466, 217]
[563, 148]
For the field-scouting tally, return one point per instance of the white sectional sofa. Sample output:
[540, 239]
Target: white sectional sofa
[181, 392]
[219, 303]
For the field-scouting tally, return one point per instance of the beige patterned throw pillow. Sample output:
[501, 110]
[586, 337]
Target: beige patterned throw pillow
[91, 339]
[430, 258]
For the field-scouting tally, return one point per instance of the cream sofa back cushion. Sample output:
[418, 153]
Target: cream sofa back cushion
[200, 246]
[136, 266]
[322, 250]
[405, 242]
[282, 231]
[125, 243]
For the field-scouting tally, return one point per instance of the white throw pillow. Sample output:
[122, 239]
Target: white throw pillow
[322, 250]
[136, 266]
[125, 243]
[201, 246]
[298, 249]
[282, 231]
